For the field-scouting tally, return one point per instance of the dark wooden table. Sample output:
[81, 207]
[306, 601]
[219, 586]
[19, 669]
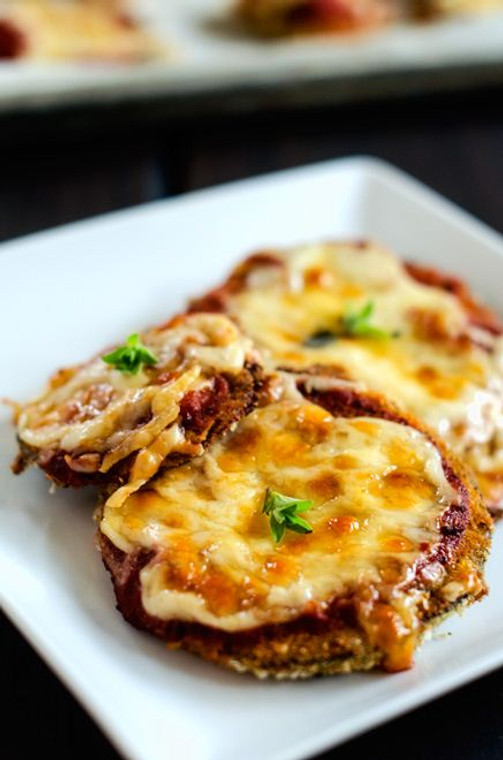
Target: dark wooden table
[68, 166]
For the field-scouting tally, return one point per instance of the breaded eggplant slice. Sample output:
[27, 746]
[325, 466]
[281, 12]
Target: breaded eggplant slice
[407, 331]
[443, 8]
[74, 30]
[276, 18]
[399, 538]
[99, 424]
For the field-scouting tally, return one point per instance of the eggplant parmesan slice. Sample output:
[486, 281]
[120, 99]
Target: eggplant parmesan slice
[398, 539]
[73, 30]
[99, 424]
[439, 8]
[284, 17]
[279, 18]
[409, 332]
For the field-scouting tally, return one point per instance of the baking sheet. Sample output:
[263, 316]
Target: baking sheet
[206, 57]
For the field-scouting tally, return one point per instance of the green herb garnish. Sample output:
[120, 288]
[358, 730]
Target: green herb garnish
[283, 513]
[131, 357]
[350, 325]
[357, 324]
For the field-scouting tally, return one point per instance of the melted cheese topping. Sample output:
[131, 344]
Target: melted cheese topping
[450, 7]
[439, 367]
[97, 413]
[79, 30]
[276, 17]
[377, 490]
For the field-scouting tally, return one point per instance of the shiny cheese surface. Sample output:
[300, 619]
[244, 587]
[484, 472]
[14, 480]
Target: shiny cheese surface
[79, 30]
[377, 491]
[449, 7]
[441, 368]
[283, 16]
[98, 413]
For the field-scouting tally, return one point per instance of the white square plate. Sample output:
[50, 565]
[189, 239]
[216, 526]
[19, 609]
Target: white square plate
[67, 293]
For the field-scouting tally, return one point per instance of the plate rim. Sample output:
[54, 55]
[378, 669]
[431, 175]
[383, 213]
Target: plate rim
[365, 163]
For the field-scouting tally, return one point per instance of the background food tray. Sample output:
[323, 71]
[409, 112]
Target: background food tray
[209, 62]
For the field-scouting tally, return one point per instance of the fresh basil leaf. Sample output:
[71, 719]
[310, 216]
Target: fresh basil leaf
[277, 529]
[283, 514]
[131, 357]
[297, 524]
[351, 325]
[369, 331]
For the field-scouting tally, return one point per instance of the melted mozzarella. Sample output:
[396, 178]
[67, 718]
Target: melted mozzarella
[432, 368]
[377, 490]
[449, 7]
[96, 409]
[277, 17]
[78, 29]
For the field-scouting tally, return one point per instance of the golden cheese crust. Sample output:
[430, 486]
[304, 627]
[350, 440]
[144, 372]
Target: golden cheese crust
[286, 17]
[439, 8]
[394, 547]
[96, 424]
[75, 30]
[279, 18]
[442, 358]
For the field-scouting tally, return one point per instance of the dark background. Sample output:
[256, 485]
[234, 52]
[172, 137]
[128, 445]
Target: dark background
[59, 167]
